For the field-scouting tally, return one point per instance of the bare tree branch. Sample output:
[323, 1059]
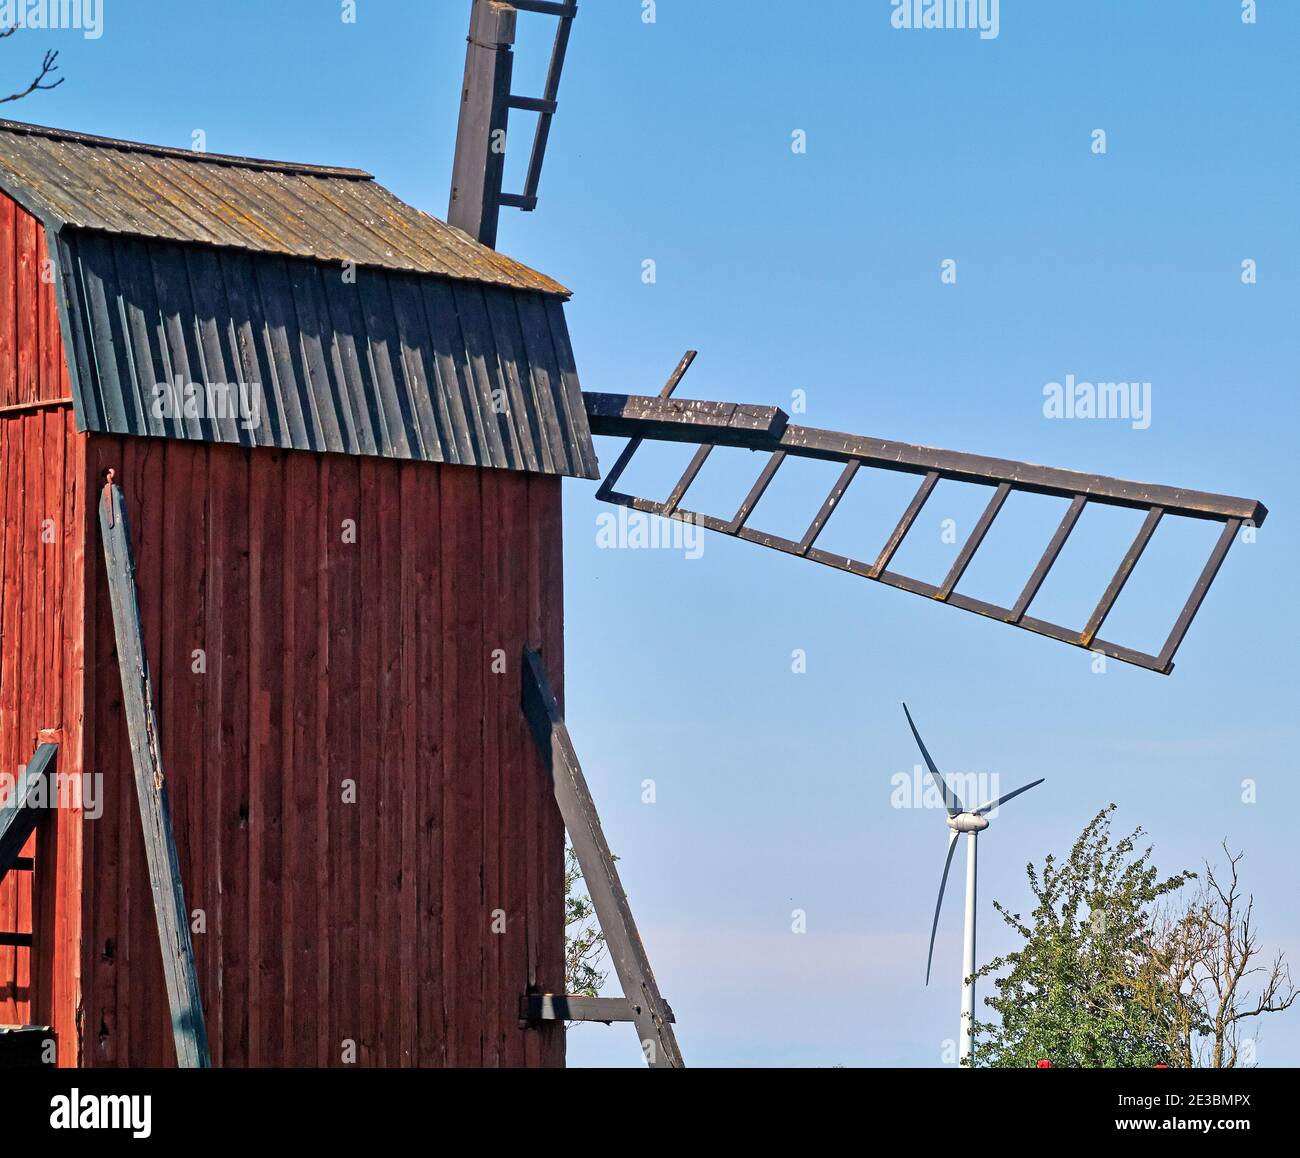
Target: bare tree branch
[1212, 953]
[49, 66]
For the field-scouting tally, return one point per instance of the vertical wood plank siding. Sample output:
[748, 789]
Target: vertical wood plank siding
[333, 671]
[41, 697]
[42, 652]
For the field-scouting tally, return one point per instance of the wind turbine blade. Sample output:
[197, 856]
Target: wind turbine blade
[983, 808]
[947, 864]
[950, 801]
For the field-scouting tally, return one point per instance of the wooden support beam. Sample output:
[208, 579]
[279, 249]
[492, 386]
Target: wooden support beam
[1197, 597]
[629, 451]
[976, 538]
[539, 1007]
[685, 420]
[756, 492]
[479, 165]
[818, 525]
[899, 533]
[21, 812]
[189, 1030]
[650, 1012]
[1048, 561]
[1130, 560]
[634, 416]
[689, 475]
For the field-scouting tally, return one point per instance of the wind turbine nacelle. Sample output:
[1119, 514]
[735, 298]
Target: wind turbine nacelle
[967, 822]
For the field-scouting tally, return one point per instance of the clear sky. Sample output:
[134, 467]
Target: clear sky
[820, 272]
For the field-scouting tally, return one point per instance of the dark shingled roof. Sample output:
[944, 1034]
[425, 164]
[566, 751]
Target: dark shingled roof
[336, 215]
[221, 275]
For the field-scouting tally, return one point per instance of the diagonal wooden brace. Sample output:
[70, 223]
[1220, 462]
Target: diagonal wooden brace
[189, 1030]
[650, 1013]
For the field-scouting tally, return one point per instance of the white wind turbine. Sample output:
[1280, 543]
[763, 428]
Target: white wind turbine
[971, 821]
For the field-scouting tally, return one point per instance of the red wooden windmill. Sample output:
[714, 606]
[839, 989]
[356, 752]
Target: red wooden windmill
[281, 625]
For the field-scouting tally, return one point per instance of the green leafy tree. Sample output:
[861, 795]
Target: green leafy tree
[1085, 988]
[584, 943]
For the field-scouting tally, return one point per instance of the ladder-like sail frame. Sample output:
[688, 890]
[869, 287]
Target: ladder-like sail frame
[768, 429]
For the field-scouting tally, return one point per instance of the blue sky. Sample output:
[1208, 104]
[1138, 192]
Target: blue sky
[820, 272]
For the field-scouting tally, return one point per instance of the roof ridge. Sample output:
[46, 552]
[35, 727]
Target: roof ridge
[227, 159]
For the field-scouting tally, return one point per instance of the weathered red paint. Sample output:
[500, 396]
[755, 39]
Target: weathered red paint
[335, 645]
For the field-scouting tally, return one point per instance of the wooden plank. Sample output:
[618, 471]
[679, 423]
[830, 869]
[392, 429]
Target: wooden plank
[899, 533]
[497, 685]
[543, 365]
[31, 620]
[69, 880]
[373, 769]
[1050, 555]
[325, 800]
[568, 1007]
[479, 433]
[103, 872]
[442, 436]
[972, 544]
[818, 524]
[684, 420]
[331, 402]
[230, 530]
[546, 533]
[756, 492]
[27, 304]
[689, 475]
[394, 1011]
[424, 840]
[150, 1028]
[1121, 577]
[277, 328]
[517, 756]
[534, 421]
[266, 864]
[350, 361]
[599, 872]
[346, 853]
[8, 302]
[483, 367]
[479, 167]
[463, 665]
[22, 811]
[190, 1035]
[1199, 591]
[635, 416]
[11, 484]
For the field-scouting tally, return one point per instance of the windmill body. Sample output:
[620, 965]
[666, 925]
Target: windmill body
[970, 822]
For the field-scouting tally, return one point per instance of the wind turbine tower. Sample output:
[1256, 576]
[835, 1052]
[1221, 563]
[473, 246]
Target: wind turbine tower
[971, 821]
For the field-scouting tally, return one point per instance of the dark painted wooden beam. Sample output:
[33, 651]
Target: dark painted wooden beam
[684, 420]
[1197, 597]
[538, 1007]
[650, 1012]
[189, 1030]
[479, 165]
[21, 812]
[766, 428]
